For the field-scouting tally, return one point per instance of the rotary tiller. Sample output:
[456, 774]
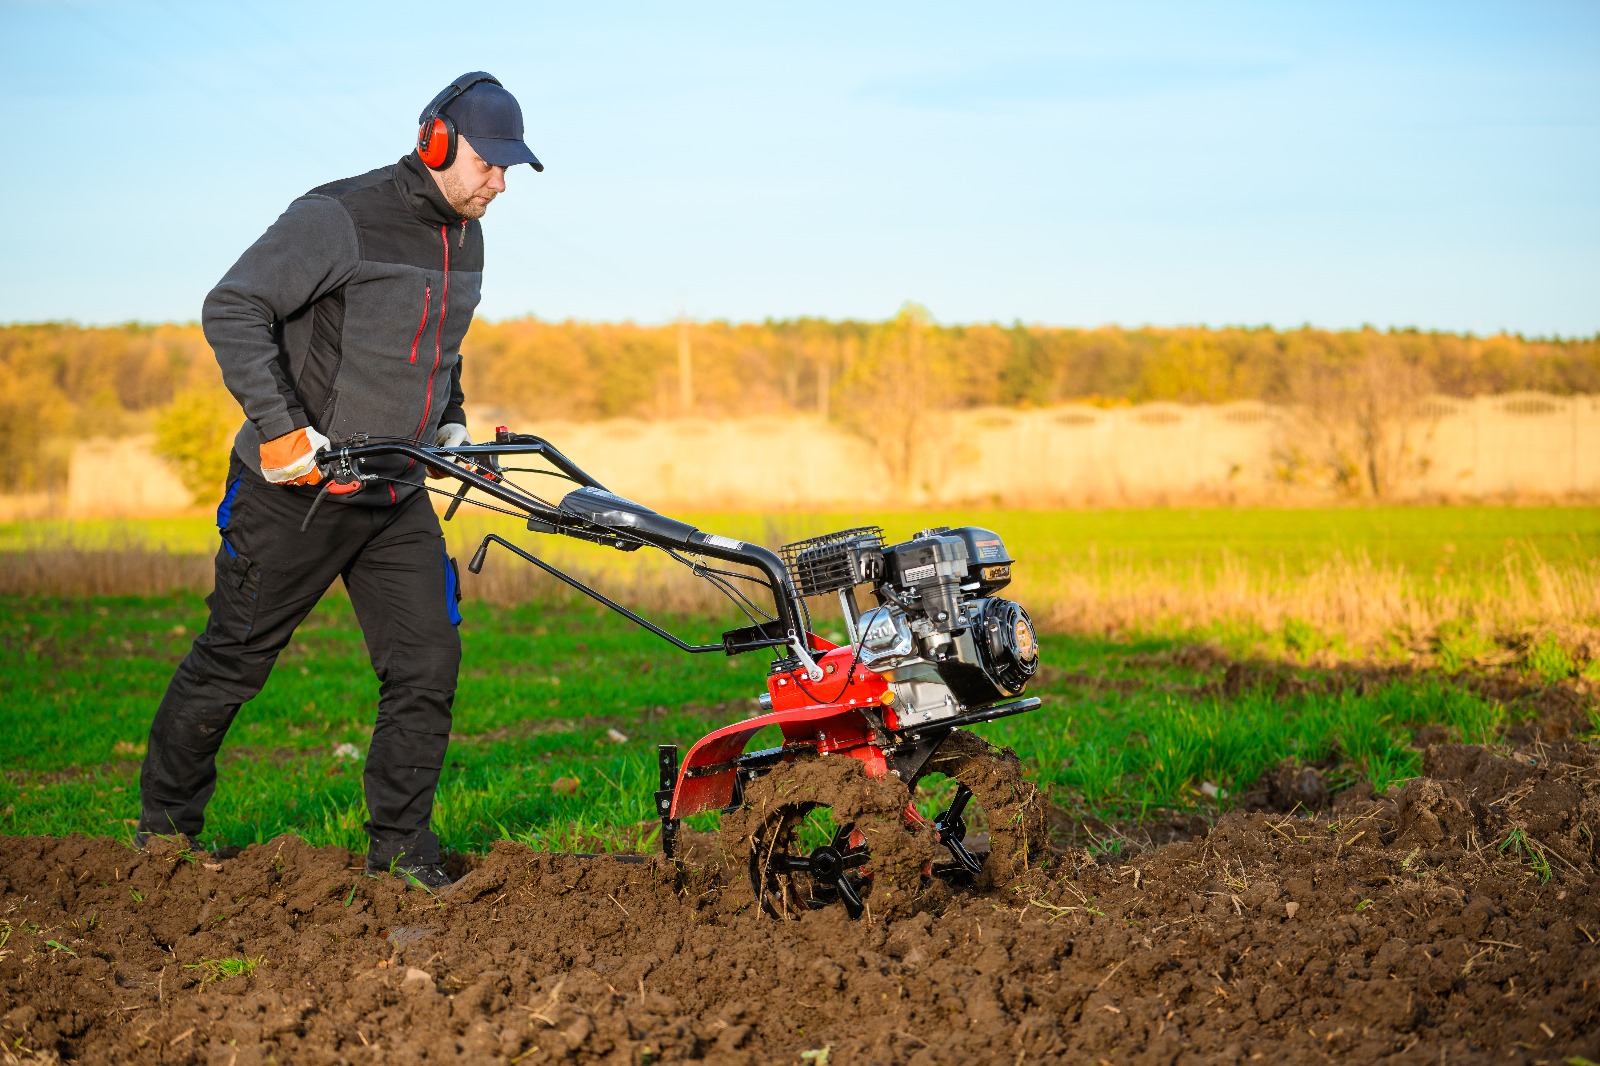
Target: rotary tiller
[931, 650]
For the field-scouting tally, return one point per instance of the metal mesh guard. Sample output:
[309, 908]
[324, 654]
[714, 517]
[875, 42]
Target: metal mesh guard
[820, 565]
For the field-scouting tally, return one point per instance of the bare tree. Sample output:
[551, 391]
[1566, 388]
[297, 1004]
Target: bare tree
[1354, 415]
[891, 396]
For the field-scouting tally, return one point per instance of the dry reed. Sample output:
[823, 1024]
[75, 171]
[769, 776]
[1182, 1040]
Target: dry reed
[132, 571]
[138, 571]
[506, 581]
[1352, 597]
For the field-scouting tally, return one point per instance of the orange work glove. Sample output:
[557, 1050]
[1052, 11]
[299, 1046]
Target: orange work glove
[292, 458]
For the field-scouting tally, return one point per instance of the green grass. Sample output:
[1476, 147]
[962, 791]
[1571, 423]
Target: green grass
[539, 692]
[1128, 727]
[1420, 540]
[222, 969]
[85, 676]
[1524, 850]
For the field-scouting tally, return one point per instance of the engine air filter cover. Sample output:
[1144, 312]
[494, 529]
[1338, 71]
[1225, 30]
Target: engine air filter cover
[835, 561]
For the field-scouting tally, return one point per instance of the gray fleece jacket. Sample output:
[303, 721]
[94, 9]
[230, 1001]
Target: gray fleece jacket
[347, 315]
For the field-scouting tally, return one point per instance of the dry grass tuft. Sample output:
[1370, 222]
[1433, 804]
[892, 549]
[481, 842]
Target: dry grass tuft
[507, 581]
[1351, 596]
[1365, 605]
[68, 571]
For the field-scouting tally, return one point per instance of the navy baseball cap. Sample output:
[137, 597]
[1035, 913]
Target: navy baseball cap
[491, 119]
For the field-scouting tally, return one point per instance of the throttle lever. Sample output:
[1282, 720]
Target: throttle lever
[488, 469]
[455, 502]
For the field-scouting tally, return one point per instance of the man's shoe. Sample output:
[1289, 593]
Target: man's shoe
[181, 841]
[429, 875]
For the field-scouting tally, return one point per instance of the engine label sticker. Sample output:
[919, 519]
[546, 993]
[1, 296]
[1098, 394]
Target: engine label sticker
[988, 549]
[724, 542]
[918, 573]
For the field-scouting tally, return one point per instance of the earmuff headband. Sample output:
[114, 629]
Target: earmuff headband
[453, 90]
[433, 123]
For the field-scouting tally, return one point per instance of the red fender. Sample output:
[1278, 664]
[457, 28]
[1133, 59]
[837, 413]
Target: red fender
[834, 727]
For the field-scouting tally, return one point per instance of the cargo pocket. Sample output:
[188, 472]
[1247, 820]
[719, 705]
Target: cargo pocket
[237, 591]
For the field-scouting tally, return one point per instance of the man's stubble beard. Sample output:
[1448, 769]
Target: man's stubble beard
[460, 199]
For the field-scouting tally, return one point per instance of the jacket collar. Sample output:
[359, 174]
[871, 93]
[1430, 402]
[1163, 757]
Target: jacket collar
[421, 193]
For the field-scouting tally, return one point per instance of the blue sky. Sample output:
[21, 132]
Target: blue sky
[1424, 164]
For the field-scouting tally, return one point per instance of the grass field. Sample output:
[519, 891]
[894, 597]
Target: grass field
[1391, 583]
[1134, 722]
[1130, 727]
[1420, 541]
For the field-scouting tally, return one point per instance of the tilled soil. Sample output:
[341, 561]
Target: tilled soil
[1455, 922]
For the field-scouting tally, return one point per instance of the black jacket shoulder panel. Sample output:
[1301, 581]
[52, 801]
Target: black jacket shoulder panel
[338, 189]
[389, 233]
[401, 217]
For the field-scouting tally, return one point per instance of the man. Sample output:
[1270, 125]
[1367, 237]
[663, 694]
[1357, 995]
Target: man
[345, 317]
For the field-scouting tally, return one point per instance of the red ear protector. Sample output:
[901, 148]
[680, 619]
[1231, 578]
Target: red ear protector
[436, 134]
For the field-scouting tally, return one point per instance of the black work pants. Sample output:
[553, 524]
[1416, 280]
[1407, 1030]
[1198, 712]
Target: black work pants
[269, 576]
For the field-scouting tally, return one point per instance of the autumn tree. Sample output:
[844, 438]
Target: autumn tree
[1354, 410]
[195, 434]
[894, 392]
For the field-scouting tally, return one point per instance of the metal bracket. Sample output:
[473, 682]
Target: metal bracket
[907, 759]
[801, 652]
[667, 762]
[917, 744]
[736, 803]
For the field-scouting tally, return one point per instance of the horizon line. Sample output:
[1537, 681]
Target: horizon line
[1015, 323]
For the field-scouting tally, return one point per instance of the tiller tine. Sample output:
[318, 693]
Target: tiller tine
[848, 896]
[851, 847]
[951, 829]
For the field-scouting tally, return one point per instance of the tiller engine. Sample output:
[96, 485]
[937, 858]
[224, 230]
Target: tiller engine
[829, 814]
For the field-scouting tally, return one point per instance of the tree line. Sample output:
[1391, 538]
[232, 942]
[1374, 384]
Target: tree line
[883, 379]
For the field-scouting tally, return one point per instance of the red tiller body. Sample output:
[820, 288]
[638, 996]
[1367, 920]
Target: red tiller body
[822, 716]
